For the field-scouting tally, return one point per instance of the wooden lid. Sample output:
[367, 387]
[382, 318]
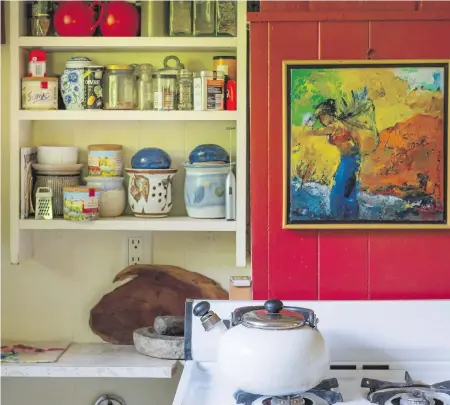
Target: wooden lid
[39, 79]
[79, 189]
[105, 147]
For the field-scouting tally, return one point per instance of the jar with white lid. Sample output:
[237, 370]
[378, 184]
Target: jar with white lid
[112, 195]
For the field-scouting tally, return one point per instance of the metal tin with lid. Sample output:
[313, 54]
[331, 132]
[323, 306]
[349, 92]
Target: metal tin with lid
[105, 160]
[40, 93]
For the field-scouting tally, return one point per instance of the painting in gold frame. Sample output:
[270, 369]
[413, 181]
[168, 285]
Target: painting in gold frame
[365, 144]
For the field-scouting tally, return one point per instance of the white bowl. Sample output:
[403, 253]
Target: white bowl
[57, 155]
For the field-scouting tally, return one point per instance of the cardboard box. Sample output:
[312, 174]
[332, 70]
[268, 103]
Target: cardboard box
[240, 288]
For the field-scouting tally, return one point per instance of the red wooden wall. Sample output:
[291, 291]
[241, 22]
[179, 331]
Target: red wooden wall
[354, 265]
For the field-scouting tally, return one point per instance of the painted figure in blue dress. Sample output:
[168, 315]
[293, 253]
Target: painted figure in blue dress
[351, 128]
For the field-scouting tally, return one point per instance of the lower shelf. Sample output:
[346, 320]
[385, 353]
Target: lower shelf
[96, 360]
[129, 223]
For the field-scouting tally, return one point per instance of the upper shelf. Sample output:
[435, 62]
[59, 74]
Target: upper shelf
[130, 44]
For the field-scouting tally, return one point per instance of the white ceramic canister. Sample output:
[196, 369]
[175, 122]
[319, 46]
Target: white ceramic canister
[204, 189]
[40, 93]
[112, 195]
[72, 83]
[81, 203]
[150, 192]
[105, 160]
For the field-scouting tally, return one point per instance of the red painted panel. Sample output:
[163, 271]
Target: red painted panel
[412, 39]
[344, 40]
[319, 5]
[258, 157]
[434, 5]
[292, 254]
[406, 265]
[280, 5]
[342, 266]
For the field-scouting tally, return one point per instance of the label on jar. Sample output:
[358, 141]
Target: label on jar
[214, 94]
[157, 100]
[90, 205]
[105, 165]
[39, 95]
[223, 68]
[93, 91]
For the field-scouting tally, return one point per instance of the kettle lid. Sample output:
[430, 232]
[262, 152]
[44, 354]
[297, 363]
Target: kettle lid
[273, 317]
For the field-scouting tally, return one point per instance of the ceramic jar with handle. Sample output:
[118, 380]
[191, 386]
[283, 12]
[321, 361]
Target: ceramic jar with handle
[72, 83]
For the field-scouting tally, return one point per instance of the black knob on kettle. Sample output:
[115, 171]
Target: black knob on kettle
[273, 306]
[201, 309]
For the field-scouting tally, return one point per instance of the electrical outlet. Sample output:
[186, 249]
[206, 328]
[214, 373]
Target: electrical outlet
[135, 251]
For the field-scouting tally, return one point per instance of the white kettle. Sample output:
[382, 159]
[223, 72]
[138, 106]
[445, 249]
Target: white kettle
[270, 350]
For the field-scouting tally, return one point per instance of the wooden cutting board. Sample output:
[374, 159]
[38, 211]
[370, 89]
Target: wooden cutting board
[153, 290]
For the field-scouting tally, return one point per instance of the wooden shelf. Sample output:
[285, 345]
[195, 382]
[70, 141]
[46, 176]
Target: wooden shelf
[129, 223]
[130, 44]
[129, 115]
[96, 360]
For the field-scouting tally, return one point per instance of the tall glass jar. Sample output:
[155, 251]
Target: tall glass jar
[180, 23]
[119, 88]
[185, 90]
[204, 17]
[226, 18]
[165, 91]
[144, 87]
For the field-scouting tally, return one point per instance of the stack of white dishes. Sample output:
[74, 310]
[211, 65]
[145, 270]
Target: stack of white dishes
[57, 167]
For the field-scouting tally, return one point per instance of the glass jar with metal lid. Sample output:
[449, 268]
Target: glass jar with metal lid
[144, 87]
[185, 90]
[119, 88]
[165, 91]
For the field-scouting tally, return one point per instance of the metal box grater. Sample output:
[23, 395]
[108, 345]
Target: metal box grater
[44, 203]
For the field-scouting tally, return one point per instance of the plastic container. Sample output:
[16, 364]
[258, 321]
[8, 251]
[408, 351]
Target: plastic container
[112, 195]
[81, 203]
[105, 160]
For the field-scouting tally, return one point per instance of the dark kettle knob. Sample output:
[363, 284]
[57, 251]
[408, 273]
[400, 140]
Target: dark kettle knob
[202, 308]
[273, 306]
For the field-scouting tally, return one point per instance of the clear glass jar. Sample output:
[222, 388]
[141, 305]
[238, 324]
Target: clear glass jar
[185, 90]
[226, 18]
[204, 17]
[119, 90]
[180, 23]
[144, 87]
[165, 91]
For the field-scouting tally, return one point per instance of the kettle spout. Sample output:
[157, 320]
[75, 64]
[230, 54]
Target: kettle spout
[208, 318]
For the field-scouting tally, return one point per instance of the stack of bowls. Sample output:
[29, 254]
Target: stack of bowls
[57, 167]
[150, 185]
[204, 188]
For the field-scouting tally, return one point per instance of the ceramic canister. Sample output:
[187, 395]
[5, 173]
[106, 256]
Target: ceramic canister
[72, 83]
[150, 192]
[204, 189]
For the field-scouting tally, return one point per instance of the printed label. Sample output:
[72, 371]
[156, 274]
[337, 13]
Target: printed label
[90, 205]
[214, 95]
[157, 100]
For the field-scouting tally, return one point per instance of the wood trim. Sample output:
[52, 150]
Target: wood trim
[286, 16]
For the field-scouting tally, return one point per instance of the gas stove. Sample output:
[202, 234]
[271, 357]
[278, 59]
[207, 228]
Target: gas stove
[382, 352]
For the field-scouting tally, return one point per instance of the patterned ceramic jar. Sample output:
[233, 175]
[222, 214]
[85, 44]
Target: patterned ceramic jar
[72, 83]
[150, 192]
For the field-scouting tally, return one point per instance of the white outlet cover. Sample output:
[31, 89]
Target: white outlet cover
[135, 251]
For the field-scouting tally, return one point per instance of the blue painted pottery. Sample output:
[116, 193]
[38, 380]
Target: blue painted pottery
[151, 158]
[209, 153]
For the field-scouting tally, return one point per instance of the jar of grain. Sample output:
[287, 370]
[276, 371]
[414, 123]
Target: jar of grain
[112, 195]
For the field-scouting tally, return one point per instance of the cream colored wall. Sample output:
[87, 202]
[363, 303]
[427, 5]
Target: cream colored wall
[50, 296]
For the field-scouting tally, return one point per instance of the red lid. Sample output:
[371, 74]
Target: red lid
[92, 192]
[37, 55]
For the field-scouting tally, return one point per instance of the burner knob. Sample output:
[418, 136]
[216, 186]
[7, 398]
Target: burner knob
[202, 308]
[273, 306]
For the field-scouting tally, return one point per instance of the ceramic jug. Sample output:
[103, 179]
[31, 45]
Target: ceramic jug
[72, 83]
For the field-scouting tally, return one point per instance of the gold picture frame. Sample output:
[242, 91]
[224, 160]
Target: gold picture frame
[408, 202]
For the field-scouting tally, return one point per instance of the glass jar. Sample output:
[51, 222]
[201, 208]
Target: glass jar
[165, 91]
[119, 88]
[144, 87]
[204, 17]
[185, 90]
[226, 18]
[180, 23]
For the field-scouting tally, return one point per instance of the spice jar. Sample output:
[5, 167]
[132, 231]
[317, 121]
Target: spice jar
[185, 90]
[226, 18]
[204, 17]
[144, 87]
[40, 22]
[119, 88]
[165, 91]
[180, 23]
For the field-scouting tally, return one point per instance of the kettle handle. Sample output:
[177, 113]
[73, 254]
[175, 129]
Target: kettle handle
[274, 307]
[100, 17]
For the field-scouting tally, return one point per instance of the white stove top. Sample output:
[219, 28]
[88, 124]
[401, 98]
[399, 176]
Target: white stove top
[411, 336]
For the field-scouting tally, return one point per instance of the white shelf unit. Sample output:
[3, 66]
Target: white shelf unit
[96, 360]
[21, 128]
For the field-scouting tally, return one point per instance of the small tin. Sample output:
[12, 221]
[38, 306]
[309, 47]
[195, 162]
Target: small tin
[39, 93]
[93, 87]
[81, 203]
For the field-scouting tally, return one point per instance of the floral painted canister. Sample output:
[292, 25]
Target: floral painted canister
[81, 203]
[72, 83]
[150, 192]
[204, 189]
[105, 160]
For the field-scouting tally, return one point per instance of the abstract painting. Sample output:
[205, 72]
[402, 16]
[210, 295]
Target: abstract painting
[365, 144]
